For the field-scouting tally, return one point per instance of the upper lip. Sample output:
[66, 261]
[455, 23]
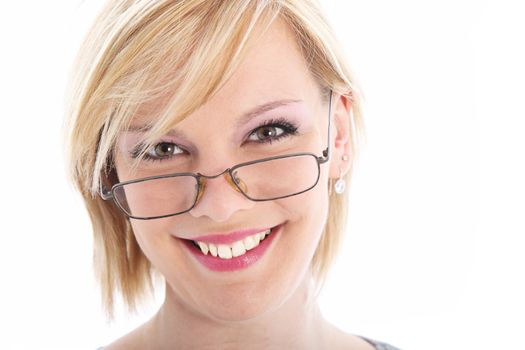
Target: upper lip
[229, 237]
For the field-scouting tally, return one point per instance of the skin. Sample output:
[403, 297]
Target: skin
[271, 304]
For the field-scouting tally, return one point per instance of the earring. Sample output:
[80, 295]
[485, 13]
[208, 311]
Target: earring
[340, 184]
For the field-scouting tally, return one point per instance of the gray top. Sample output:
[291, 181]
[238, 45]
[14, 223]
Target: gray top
[378, 345]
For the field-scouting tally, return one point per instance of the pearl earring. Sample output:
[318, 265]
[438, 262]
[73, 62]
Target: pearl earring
[340, 184]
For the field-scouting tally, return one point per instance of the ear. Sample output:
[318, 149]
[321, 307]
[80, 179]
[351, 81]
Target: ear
[340, 131]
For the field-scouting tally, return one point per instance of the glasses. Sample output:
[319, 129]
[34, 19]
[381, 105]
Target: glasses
[259, 180]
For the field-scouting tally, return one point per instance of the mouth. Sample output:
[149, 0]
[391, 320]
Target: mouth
[234, 249]
[235, 255]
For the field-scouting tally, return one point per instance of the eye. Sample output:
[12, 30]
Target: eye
[163, 150]
[272, 130]
[265, 133]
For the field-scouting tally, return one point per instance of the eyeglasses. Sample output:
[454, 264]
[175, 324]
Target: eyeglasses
[259, 180]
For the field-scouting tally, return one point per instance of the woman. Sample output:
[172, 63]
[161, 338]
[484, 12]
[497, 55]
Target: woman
[210, 141]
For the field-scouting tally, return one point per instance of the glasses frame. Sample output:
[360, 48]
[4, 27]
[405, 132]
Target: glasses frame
[107, 194]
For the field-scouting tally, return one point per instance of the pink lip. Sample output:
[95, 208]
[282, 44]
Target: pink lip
[237, 263]
[228, 238]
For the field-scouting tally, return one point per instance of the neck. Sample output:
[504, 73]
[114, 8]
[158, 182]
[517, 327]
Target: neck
[296, 324]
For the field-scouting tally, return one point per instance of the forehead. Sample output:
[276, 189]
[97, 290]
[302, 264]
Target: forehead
[273, 68]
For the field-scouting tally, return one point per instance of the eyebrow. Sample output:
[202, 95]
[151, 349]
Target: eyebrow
[243, 119]
[265, 107]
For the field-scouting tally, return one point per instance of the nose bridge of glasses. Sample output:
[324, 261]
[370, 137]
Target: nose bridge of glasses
[230, 178]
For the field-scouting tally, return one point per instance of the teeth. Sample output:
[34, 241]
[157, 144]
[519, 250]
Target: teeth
[213, 249]
[264, 234]
[225, 251]
[204, 247]
[238, 248]
[250, 242]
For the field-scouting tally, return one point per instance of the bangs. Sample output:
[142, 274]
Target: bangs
[167, 69]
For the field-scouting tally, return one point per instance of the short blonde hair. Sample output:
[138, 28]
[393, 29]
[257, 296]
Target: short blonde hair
[183, 50]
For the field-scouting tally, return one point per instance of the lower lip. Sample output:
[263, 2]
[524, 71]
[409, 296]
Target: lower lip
[236, 263]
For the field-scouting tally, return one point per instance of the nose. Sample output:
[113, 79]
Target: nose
[219, 199]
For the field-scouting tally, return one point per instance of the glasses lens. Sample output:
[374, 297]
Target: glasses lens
[277, 178]
[157, 197]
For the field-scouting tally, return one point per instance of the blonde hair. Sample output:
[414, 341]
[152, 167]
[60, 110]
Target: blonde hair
[185, 50]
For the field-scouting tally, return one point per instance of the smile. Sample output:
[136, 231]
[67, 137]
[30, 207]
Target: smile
[235, 249]
[229, 256]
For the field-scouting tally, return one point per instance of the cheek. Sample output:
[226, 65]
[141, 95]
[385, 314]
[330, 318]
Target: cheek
[310, 206]
[307, 214]
[153, 240]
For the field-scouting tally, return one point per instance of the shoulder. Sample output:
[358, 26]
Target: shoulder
[131, 341]
[379, 345]
[339, 339]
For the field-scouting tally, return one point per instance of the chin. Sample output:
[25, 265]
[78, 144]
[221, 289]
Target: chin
[241, 311]
[242, 302]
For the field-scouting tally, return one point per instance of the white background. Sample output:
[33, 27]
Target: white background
[434, 253]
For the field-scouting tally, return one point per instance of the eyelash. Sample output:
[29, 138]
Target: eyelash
[288, 129]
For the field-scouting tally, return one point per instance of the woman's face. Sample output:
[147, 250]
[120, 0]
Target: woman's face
[215, 137]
